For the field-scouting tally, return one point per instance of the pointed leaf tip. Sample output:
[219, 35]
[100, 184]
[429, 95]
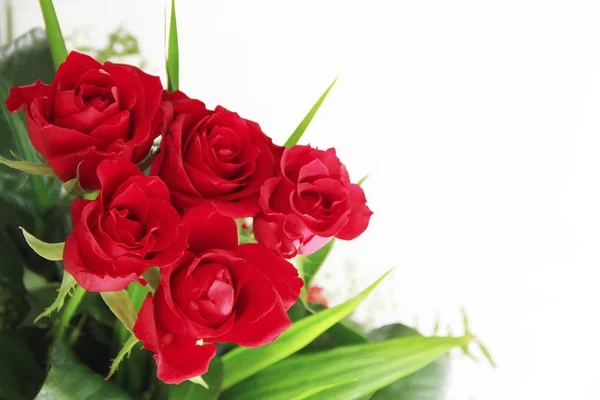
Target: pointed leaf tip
[173, 53]
[49, 251]
[362, 180]
[29, 167]
[297, 134]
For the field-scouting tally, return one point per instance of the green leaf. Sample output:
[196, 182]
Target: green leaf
[425, 384]
[312, 263]
[343, 333]
[173, 53]
[137, 294]
[55, 37]
[20, 375]
[120, 304]
[191, 391]
[68, 282]
[49, 251]
[362, 180]
[26, 59]
[29, 167]
[124, 352]
[297, 134]
[241, 363]
[68, 379]
[368, 367]
[486, 353]
[22, 62]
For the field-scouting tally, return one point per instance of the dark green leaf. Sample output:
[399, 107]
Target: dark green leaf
[297, 134]
[22, 62]
[26, 59]
[55, 37]
[426, 384]
[20, 376]
[69, 379]
[191, 391]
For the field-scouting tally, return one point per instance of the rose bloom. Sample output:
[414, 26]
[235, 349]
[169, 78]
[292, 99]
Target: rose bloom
[311, 202]
[129, 227]
[89, 113]
[218, 292]
[213, 156]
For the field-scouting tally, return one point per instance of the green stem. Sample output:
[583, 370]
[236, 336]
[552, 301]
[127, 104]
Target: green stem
[9, 22]
[70, 310]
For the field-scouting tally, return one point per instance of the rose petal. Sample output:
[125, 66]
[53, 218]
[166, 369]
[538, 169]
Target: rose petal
[208, 229]
[283, 275]
[359, 217]
[263, 331]
[181, 359]
[112, 173]
[145, 325]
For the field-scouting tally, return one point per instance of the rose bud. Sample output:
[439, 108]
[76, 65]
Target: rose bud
[218, 292]
[129, 227]
[311, 202]
[90, 112]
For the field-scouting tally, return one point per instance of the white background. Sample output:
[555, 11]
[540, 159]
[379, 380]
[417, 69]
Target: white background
[479, 123]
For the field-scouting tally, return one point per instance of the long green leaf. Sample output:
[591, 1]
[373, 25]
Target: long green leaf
[173, 53]
[29, 167]
[297, 134]
[367, 368]
[55, 37]
[241, 363]
[49, 251]
[425, 384]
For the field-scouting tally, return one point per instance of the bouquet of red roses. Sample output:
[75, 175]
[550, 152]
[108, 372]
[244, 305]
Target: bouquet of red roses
[184, 220]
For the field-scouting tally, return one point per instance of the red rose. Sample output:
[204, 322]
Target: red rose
[129, 227]
[90, 112]
[311, 202]
[213, 156]
[218, 292]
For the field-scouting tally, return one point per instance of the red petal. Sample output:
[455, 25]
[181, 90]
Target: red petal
[182, 359]
[282, 274]
[77, 207]
[112, 173]
[263, 331]
[22, 96]
[145, 325]
[359, 217]
[208, 229]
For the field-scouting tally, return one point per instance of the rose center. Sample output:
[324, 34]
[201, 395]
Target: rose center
[214, 300]
[94, 96]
